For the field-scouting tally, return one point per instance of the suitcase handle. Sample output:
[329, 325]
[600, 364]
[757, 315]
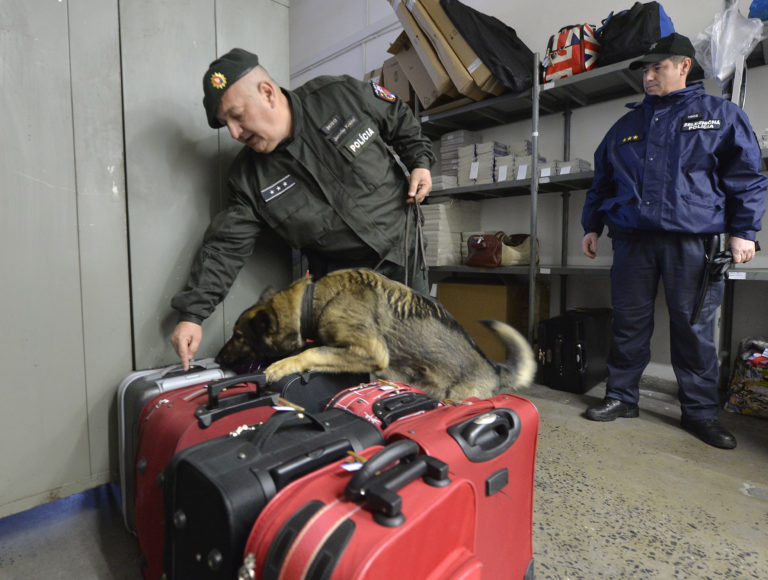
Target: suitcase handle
[217, 387]
[234, 404]
[488, 435]
[398, 406]
[217, 408]
[378, 488]
[278, 421]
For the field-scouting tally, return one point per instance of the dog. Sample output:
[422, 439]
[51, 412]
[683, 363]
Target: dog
[360, 321]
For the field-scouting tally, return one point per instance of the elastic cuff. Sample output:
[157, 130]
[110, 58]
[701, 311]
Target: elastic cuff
[186, 317]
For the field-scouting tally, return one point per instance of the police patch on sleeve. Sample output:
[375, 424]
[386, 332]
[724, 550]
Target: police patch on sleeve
[278, 188]
[383, 93]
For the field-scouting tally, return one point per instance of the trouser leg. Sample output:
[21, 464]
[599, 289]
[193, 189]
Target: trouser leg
[634, 282]
[692, 347]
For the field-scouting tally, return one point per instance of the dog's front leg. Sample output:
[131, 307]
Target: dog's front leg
[370, 358]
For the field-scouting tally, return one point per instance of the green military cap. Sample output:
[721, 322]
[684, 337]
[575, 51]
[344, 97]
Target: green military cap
[222, 74]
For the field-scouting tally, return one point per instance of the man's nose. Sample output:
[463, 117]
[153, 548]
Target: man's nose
[234, 129]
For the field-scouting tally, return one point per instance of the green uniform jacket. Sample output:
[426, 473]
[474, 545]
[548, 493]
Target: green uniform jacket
[333, 188]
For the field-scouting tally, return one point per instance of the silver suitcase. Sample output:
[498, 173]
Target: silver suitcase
[135, 391]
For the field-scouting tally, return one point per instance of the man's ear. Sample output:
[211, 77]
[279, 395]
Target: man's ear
[268, 90]
[686, 65]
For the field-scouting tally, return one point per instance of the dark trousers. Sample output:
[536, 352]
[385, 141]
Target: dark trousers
[679, 261]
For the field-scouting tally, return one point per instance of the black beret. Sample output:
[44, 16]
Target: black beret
[222, 74]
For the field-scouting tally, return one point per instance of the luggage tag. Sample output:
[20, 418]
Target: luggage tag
[286, 405]
[355, 462]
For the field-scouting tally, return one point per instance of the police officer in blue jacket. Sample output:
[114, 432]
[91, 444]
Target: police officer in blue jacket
[678, 168]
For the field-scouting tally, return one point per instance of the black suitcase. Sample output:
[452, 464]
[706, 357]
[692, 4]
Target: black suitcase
[313, 390]
[573, 348]
[214, 491]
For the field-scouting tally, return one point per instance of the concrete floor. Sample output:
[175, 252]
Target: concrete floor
[635, 498]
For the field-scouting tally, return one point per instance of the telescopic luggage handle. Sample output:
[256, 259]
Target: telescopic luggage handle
[378, 489]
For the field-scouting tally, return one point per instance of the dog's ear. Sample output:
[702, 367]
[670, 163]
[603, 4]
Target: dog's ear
[268, 293]
[263, 323]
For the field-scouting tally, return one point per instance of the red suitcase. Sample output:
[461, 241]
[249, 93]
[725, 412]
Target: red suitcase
[492, 444]
[173, 421]
[382, 402]
[400, 516]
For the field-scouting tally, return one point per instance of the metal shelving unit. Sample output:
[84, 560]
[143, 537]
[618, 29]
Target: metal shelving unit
[559, 96]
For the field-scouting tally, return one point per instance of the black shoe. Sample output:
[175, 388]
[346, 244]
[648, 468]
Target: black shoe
[610, 409]
[710, 431]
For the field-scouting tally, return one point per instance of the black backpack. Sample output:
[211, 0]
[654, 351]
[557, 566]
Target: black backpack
[497, 45]
[630, 33]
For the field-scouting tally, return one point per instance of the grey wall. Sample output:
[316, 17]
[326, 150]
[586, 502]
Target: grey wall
[108, 177]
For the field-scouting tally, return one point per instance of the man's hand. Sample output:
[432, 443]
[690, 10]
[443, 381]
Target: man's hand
[186, 340]
[421, 185]
[742, 250]
[589, 245]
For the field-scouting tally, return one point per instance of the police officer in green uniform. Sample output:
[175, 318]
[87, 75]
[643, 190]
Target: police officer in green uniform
[315, 169]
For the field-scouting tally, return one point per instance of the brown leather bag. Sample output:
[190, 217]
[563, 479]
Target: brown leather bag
[484, 251]
[499, 249]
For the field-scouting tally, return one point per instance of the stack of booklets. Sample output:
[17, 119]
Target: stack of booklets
[522, 168]
[449, 150]
[444, 182]
[443, 224]
[521, 147]
[476, 162]
[573, 166]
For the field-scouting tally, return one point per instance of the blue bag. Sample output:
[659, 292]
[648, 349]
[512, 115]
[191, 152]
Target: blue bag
[759, 9]
[630, 33]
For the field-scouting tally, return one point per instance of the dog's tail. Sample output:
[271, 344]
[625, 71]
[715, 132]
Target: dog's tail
[520, 366]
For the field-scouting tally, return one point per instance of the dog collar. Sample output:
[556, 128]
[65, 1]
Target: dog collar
[307, 321]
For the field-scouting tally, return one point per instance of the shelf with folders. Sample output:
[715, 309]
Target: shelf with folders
[553, 184]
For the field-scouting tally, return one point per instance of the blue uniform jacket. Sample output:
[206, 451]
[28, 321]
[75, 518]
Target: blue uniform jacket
[687, 162]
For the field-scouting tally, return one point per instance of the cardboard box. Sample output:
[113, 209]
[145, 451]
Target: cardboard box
[456, 70]
[481, 74]
[374, 75]
[470, 302]
[393, 78]
[415, 71]
[421, 45]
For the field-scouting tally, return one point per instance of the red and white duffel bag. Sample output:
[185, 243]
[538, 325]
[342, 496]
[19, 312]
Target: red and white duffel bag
[574, 49]
[383, 402]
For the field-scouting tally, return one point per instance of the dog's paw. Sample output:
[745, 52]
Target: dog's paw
[284, 367]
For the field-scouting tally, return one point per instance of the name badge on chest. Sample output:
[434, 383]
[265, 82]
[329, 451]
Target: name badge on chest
[278, 188]
[360, 141]
[696, 123]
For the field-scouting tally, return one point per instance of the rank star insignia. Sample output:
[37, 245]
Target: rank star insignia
[218, 80]
[278, 188]
[383, 93]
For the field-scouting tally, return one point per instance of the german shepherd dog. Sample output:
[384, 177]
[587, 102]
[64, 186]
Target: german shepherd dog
[360, 321]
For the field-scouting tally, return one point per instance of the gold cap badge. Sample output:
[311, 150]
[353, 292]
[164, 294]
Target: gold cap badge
[218, 80]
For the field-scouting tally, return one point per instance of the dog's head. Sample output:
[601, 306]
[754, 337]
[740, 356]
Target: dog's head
[264, 332]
